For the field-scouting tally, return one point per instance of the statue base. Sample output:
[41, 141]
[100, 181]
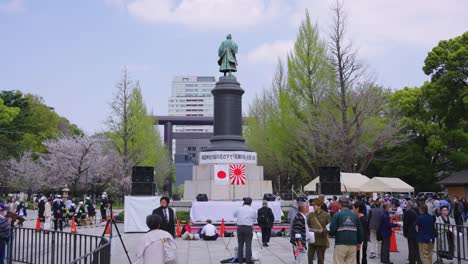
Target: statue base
[204, 177]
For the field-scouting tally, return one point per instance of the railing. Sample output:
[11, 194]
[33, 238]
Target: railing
[26, 245]
[451, 243]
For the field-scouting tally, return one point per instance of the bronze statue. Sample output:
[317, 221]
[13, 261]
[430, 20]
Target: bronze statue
[227, 56]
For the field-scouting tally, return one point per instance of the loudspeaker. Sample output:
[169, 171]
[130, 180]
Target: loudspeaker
[142, 174]
[330, 188]
[202, 197]
[329, 174]
[143, 188]
[269, 197]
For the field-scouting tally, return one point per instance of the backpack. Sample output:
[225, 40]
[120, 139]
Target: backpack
[263, 218]
[169, 250]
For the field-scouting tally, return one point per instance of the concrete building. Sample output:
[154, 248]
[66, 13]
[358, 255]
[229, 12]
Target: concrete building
[191, 97]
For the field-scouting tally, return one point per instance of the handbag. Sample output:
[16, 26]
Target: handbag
[47, 224]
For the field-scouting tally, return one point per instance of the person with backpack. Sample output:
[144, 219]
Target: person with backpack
[265, 219]
[156, 246]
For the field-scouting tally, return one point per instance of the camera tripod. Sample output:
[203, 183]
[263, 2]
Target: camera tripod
[111, 223]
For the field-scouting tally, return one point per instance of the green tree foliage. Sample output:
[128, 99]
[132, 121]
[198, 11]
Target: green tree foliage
[31, 123]
[7, 114]
[312, 117]
[133, 133]
[435, 117]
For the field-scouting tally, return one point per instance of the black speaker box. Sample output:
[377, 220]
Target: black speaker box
[202, 197]
[269, 197]
[329, 174]
[143, 188]
[142, 174]
[330, 188]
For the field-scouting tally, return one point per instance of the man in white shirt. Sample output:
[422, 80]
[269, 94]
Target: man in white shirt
[246, 217]
[209, 231]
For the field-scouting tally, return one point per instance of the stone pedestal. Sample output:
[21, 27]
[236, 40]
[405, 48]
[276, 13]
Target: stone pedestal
[227, 126]
[204, 182]
[227, 147]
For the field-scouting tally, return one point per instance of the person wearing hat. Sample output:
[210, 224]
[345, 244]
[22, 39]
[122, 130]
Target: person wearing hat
[81, 214]
[265, 219]
[167, 215]
[317, 222]
[58, 208]
[246, 217]
[346, 227]
[103, 206]
[90, 209]
[5, 226]
[41, 208]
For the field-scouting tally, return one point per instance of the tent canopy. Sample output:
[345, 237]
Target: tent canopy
[384, 184]
[350, 182]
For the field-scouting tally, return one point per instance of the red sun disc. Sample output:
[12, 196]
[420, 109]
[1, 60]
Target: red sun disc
[221, 174]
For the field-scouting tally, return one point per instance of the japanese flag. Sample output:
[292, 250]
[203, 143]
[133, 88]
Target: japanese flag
[221, 174]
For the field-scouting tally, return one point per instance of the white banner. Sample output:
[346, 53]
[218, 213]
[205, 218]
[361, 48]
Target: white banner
[136, 209]
[217, 210]
[232, 157]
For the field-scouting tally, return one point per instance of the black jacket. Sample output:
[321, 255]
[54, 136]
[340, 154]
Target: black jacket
[409, 229]
[270, 217]
[165, 225]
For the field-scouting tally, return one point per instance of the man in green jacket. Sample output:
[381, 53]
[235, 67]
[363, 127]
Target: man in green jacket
[346, 227]
[317, 222]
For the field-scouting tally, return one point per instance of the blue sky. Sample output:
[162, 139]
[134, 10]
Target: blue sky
[72, 52]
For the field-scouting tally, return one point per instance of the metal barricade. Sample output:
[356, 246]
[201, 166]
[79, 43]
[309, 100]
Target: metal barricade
[451, 243]
[26, 245]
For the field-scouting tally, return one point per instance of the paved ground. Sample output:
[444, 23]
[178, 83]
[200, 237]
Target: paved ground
[203, 252]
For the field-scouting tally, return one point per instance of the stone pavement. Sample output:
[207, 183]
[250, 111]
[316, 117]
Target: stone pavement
[204, 252]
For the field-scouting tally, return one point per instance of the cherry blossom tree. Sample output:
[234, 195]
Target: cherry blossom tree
[81, 162]
[26, 174]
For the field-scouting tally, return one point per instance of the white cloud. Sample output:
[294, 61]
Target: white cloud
[269, 53]
[12, 6]
[206, 14]
[371, 24]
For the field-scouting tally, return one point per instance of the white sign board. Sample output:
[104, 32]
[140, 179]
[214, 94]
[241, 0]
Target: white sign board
[231, 157]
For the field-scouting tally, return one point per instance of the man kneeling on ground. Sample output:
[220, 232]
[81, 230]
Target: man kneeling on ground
[187, 231]
[209, 231]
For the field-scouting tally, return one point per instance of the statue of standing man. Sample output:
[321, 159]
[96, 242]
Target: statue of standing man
[227, 56]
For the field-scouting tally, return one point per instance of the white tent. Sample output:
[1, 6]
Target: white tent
[384, 184]
[350, 182]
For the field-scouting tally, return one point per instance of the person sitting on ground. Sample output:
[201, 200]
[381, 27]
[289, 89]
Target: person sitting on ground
[187, 231]
[209, 232]
[158, 246]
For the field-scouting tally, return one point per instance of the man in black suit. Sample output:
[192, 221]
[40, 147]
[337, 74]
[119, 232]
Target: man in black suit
[409, 231]
[265, 219]
[167, 215]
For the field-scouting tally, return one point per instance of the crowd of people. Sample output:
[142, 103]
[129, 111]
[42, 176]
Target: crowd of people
[59, 211]
[362, 227]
